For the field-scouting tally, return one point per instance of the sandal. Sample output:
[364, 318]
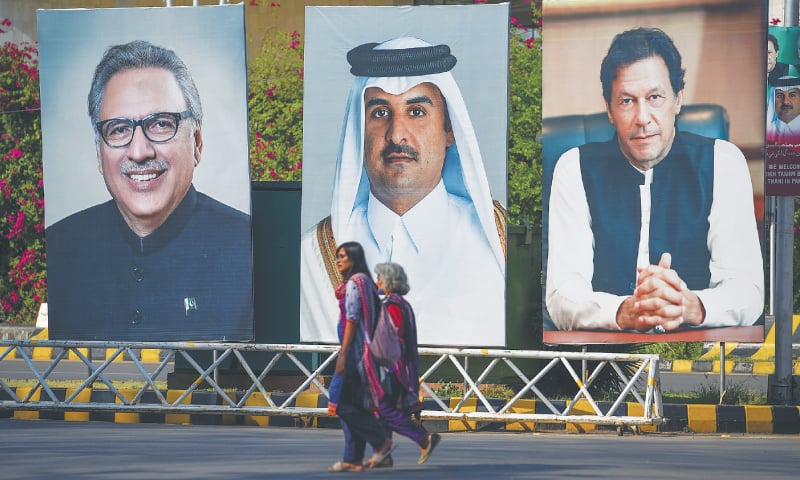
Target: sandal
[346, 467]
[425, 454]
[387, 462]
[378, 458]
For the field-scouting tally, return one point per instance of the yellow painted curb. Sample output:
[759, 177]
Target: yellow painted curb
[758, 418]
[178, 418]
[256, 400]
[728, 367]
[764, 368]
[84, 397]
[126, 417]
[702, 418]
[42, 353]
[12, 352]
[522, 406]
[23, 392]
[74, 356]
[471, 405]
[635, 409]
[151, 355]
[582, 407]
[682, 366]
[307, 400]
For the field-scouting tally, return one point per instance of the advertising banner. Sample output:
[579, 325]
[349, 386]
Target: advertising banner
[146, 174]
[652, 172]
[404, 152]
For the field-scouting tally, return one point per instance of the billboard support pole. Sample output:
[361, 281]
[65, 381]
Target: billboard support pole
[779, 391]
[780, 383]
[721, 372]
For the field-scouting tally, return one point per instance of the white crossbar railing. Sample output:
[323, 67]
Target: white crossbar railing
[637, 374]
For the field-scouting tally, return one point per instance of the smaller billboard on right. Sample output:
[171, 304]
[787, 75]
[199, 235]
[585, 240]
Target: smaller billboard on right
[782, 152]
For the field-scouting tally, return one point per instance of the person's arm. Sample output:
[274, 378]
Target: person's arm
[353, 315]
[347, 340]
[736, 293]
[570, 300]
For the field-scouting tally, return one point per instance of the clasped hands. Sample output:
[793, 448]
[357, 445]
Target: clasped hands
[661, 300]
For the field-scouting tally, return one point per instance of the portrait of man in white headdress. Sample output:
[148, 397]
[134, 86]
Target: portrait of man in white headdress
[783, 111]
[410, 185]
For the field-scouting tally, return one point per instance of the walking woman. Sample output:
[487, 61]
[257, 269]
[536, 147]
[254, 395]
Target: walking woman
[401, 400]
[356, 382]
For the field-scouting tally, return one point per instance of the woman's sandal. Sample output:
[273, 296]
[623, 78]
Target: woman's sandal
[346, 467]
[425, 453]
[388, 462]
[378, 458]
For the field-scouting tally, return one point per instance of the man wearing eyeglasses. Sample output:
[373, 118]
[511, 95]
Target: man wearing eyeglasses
[160, 261]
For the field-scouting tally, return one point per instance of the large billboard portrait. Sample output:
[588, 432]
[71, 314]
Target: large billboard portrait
[404, 152]
[653, 172]
[146, 174]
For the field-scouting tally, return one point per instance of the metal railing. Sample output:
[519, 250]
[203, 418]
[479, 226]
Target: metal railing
[638, 374]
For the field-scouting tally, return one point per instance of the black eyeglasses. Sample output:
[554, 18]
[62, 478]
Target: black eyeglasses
[157, 127]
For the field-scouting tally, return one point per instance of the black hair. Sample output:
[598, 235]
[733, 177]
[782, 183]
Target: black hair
[774, 41]
[358, 261]
[631, 46]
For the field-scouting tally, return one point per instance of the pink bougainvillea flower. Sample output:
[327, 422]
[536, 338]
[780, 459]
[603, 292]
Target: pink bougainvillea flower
[775, 21]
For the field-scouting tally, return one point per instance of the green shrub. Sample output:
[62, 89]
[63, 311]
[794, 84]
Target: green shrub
[674, 351]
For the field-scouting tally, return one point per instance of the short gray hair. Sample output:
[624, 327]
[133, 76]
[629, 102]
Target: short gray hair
[394, 278]
[141, 54]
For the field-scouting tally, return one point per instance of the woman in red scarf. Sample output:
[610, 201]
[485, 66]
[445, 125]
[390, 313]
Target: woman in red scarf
[356, 389]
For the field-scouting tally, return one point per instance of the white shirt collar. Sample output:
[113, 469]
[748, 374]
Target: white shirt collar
[419, 222]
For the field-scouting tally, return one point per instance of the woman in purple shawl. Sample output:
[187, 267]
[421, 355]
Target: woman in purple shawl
[401, 400]
[356, 390]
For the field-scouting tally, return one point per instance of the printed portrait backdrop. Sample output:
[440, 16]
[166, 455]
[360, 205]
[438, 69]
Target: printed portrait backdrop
[147, 187]
[653, 183]
[386, 166]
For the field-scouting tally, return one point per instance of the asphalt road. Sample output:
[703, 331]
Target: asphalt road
[49, 449]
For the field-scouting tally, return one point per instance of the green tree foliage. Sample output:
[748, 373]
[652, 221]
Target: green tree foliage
[275, 107]
[22, 256]
[524, 125]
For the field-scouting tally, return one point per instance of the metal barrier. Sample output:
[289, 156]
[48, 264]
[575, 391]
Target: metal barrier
[642, 387]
